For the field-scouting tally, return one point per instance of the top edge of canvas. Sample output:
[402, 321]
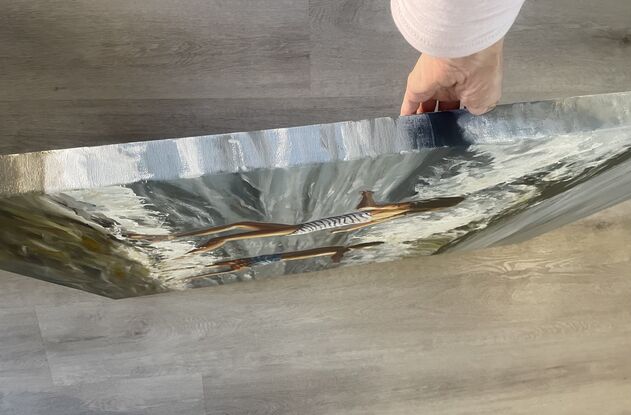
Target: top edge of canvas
[188, 157]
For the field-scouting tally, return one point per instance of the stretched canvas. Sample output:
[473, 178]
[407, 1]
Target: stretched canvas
[146, 217]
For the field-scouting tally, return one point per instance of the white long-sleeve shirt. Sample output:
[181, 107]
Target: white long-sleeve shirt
[454, 28]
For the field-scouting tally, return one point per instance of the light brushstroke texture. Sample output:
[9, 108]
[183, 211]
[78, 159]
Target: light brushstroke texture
[134, 219]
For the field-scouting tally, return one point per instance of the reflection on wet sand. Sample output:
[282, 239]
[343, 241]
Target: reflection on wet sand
[336, 253]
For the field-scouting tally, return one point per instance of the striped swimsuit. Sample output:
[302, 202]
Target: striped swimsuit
[333, 222]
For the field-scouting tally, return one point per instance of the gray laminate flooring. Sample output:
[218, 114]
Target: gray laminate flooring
[542, 327]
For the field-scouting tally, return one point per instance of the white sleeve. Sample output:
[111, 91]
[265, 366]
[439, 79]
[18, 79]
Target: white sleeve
[454, 28]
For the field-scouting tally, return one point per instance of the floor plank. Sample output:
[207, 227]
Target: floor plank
[155, 49]
[145, 396]
[568, 48]
[348, 342]
[462, 379]
[23, 363]
[357, 50]
[18, 291]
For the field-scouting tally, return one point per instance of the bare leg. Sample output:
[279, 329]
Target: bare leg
[208, 231]
[220, 241]
[312, 253]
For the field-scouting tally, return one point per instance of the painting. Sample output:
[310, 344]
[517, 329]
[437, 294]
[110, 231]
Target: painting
[148, 217]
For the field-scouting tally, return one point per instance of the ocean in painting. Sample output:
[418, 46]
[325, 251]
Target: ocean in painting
[151, 236]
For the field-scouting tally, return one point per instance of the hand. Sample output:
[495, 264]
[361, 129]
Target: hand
[475, 81]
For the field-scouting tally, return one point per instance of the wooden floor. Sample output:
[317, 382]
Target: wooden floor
[538, 328]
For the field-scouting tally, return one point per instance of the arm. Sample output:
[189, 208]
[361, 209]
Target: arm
[462, 43]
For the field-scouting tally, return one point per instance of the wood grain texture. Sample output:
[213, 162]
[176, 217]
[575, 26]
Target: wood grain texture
[154, 49]
[72, 123]
[357, 50]
[331, 318]
[17, 291]
[166, 395]
[23, 363]
[568, 47]
[541, 327]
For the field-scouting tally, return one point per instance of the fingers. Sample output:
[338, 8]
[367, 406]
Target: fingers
[480, 110]
[422, 96]
[409, 106]
[483, 101]
[417, 90]
[412, 101]
[448, 105]
[437, 84]
[430, 106]
[427, 106]
[484, 94]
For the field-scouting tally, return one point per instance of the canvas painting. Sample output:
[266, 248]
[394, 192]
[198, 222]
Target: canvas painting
[142, 218]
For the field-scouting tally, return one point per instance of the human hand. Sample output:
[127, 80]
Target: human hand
[474, 81]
